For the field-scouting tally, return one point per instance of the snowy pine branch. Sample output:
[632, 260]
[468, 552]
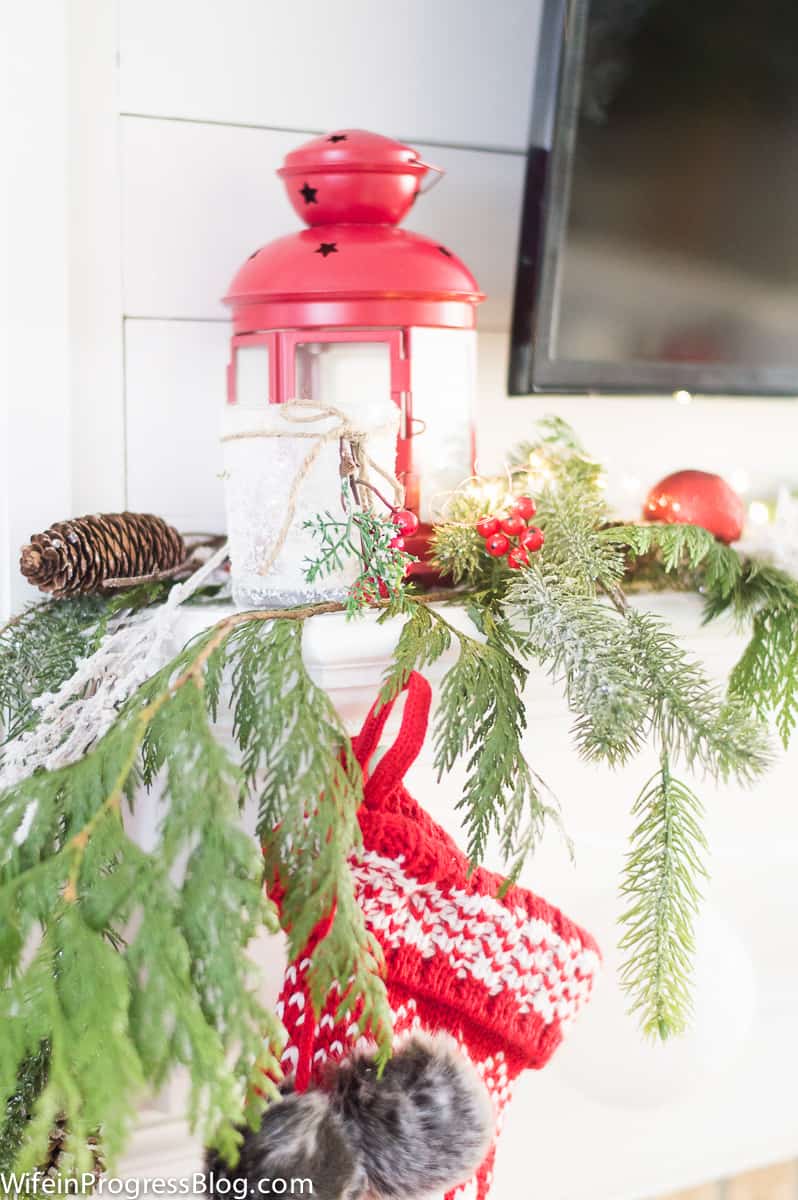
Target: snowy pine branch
[582, 644]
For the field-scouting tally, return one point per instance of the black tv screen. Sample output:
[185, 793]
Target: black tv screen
[659, 245]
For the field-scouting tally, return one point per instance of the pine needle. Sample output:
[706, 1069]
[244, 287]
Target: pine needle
[689, 714]
[661, 886]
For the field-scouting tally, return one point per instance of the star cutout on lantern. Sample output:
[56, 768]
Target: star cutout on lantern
[308, 194]
[337, 137]
[327, 248]
[443, 250]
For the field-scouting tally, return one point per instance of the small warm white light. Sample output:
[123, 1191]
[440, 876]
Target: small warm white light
[758, 513]
[683, 397]
[740, 481]
[489, 491]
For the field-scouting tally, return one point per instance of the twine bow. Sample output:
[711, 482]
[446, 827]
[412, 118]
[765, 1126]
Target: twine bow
[355, 462]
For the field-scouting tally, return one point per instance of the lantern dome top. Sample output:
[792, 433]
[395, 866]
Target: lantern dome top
[353, 275]
[353, 267]
[353, 175]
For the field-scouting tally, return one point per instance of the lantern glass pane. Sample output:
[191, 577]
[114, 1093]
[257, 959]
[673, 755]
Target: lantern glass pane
[252, 376]
[443, 385]
[345, 375]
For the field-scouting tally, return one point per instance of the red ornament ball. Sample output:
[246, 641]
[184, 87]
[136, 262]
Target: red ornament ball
[406, 520]
[517, 558]
[513, 525]
[397, 543]
[697, 498]
[532, 540]
[487, 526]
[497, 545]
[524, 507]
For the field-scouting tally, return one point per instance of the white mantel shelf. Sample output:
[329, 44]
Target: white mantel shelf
[612, 1117]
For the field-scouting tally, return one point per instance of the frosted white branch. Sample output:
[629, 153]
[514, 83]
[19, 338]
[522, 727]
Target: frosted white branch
[85, 706]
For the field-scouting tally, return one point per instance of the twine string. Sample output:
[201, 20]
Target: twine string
[355, 461]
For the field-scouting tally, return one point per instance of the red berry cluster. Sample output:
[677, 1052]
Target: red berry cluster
[406, 523]
[499, 532]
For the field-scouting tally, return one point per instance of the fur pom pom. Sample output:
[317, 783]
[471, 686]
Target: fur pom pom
[422, 1127]
[301, 1137]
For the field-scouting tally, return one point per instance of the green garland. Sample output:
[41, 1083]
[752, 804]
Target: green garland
[129, 962]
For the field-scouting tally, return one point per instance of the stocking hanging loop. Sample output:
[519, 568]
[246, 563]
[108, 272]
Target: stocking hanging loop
[402, 754]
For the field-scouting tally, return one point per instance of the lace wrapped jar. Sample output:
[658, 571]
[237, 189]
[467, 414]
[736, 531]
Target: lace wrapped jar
[282, 468]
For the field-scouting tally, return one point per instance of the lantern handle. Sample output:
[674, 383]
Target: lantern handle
[439, 174]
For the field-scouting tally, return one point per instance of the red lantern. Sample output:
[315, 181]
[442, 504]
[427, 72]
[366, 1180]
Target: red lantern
[354, 308]
[697, 498]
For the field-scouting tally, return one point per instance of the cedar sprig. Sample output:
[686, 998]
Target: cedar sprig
[41, 648]
[481, 719]
[21, 1105]
[299, 759]
[661, 888]
[765, 679]
[759, 587]
[682, 546]
[181, 990]
[365, 537]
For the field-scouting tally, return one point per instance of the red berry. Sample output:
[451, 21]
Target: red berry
[487, 526]
[397, 543]
[382, 587]
[497, 545]
[533, 539]
[518, 558]
[406, 520]
[514, 526]
[524, 507]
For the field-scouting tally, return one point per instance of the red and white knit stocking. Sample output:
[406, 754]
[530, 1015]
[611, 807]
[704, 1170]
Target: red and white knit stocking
[505, 976]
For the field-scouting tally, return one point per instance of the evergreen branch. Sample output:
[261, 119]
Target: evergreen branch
[186, 969]
[571, 512]
[661, 881]
[31, 1078]
[582, 643]
[41, 648]
[459, 552]
[682, 546]
[423, 640]
[689, 715]
[765, 680]
[759, 587]
[368, 539]
[297, 753]
[482, 718]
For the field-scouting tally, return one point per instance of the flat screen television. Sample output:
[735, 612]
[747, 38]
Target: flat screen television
[659, 237]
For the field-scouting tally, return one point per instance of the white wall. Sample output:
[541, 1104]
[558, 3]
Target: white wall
[35, 463]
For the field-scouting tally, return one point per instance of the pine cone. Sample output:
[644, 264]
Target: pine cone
[60, 1162]
[77, 557]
